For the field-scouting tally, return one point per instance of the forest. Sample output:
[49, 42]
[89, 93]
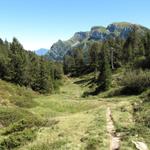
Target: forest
[27, 69]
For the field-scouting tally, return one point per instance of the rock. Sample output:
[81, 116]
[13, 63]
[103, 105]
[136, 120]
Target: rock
[140, 145]
[115, 143]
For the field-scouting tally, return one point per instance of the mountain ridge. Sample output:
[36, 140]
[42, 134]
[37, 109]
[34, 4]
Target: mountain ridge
[96, 33]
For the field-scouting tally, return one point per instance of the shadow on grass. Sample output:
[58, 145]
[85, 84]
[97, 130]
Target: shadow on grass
[87, 82]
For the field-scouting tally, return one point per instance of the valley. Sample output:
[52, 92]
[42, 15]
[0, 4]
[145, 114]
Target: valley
[79, 123]
[74, 75]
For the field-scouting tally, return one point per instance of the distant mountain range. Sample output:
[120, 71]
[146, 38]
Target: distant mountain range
[97, 33]
[41, 51]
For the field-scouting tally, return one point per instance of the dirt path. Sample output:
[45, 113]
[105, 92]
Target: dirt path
[114, 139]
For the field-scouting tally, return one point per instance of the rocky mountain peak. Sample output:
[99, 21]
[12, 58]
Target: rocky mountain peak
[80, 36]
[97, 33]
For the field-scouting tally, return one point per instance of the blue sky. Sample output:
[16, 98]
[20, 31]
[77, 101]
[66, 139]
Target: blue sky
[40, 23]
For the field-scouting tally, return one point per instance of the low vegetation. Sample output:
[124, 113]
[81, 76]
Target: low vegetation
[135, 82]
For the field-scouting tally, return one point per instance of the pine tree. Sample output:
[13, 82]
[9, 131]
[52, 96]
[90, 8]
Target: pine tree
[26, 68]
[78, 57]
[44, 79]
[18, 63]
[104, 79]
[68, 64]
[133, 47]
[4, 59]
[93, 57]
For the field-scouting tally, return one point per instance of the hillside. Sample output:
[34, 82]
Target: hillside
[119, 30]
[69, 121]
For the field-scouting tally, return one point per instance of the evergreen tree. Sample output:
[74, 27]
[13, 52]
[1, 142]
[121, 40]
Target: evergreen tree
[4, 60]
[78, 57]
[26, 68]
[133, 47]
[93, 57]
[104, 80]
[68, 64]
[44, 79]
[17, 63]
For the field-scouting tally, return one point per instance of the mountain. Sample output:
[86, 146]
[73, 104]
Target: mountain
[41, 51]
[58, 50]
[97, 33]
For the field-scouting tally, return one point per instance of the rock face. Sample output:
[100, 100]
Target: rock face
[97, 33]
[80, 36]
[58, 50]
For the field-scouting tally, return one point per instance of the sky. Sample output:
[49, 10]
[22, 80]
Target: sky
[40, 23]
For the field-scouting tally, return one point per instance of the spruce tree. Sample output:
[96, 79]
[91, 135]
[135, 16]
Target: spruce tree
[93, 57]
[17, 63]
[104, 80]
[44, 78]
[68, 64]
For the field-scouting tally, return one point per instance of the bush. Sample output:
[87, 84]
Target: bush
[23, 124]
[10, 115]
[135, 82]
[17, 139]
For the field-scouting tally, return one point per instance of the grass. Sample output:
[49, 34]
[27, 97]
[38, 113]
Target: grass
[141, 116]
[49, 107]
[65, 120]
[96, 133]
[122, 115]
[76, 116]
[17, 124]
[11, 94]
[49, 146]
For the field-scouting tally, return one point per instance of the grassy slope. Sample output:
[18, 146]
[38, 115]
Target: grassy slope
[80, 123]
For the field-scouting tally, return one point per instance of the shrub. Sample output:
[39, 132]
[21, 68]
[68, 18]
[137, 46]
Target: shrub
[17, 139]
[10, 115]
[135, 82]
[23, 124]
